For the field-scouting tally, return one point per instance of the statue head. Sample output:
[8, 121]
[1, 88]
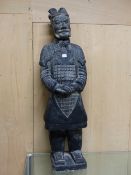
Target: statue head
[60, 22]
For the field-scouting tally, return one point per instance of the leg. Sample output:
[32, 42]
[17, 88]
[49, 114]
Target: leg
[74, 139]
[75, 144]
[57, 142]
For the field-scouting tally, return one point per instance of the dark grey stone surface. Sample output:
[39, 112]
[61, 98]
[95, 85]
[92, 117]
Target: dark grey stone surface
[69, 164]
[63, 72]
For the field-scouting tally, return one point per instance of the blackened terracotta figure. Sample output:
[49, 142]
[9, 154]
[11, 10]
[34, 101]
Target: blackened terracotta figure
[63, 72]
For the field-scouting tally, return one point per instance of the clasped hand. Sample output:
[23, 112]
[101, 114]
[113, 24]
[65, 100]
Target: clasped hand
[63, 89]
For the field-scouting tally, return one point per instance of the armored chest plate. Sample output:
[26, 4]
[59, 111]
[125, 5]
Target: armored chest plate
[64, 72]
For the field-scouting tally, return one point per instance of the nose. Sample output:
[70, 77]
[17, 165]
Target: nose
[64, 25]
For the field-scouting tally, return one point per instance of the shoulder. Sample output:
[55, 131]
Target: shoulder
[46, 48]
[79, 52]
[45, 54]
[75, 46]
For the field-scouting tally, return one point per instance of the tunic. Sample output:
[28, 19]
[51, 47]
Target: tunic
[63, 64]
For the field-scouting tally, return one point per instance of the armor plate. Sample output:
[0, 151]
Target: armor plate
[65, 74]
[67, 104]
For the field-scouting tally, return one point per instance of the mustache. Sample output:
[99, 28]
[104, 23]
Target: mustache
[63, 30]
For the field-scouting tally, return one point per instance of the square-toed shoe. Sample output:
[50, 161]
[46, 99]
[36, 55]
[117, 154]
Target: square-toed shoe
[58, 158]
[78, 157]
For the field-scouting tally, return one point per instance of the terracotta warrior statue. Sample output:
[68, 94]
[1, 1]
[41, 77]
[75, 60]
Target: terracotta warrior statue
[64, 74]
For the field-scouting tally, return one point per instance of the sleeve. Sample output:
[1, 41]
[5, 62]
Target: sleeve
[45, 71]
[80, 82]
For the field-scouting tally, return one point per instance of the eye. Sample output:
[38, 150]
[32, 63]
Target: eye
[66, 21]
[57, 22]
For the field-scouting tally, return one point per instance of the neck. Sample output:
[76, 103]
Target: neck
[59, 39]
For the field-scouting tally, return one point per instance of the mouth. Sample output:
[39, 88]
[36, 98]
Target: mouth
[63, 30]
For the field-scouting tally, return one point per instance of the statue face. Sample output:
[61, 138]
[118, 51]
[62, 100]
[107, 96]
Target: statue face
[61, 26]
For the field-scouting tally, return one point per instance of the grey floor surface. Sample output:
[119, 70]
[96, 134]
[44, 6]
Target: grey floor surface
[112, 163]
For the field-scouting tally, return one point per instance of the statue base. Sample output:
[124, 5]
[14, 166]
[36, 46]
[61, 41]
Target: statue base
[69, 164]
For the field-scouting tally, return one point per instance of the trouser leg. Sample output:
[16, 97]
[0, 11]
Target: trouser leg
[74, 139]
[57, 140]
[75, 144]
